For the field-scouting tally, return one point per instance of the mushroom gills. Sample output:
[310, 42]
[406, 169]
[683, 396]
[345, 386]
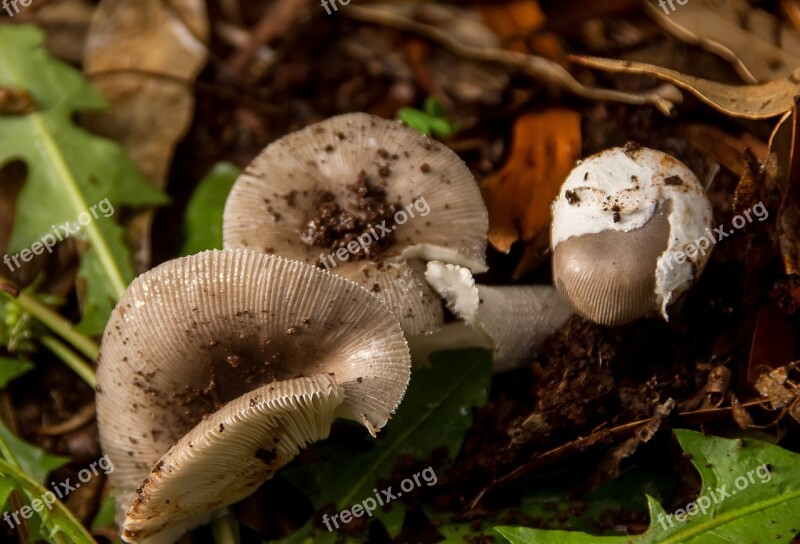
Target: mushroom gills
[227, 456]
[194, 336]
[330, 179]
[624, 287]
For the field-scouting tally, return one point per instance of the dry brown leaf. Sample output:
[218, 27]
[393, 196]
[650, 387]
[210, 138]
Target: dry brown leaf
[610, 464]
[754, 41]
[144, 56]
[741, 416]
[784, 146]
[773, 343]
[545, 146]
[517, 23]
[747, 101]
[540, 68]
[65, 22]
[724, 148]
[779, 391]
[437, 71]
[791, 8]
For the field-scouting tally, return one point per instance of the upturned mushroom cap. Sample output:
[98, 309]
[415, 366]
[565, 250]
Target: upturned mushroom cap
[514, 319]
[227, 456]
[210, 333]
[278, 195]
[630, 233]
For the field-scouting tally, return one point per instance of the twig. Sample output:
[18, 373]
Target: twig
[73, 423]
[535, 66]
[279, 17]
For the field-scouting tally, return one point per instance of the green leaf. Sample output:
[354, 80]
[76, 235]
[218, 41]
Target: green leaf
[416, 119]
[35, 461]
[436, 412]
[203, 219]
[434, 107]
[105, 514]
[11, 369]
[752, 491]
[71, 172]
[58, 522]
[441, 127]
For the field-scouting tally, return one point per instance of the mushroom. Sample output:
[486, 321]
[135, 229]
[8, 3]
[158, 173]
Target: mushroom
[631, 232]
[512, 320]
[368, 199]
[215, 369]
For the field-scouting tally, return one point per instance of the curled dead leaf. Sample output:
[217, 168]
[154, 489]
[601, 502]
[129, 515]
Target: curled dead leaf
[741, 416]
[747, 101]
[784, 145]
[779, 391]
[144, 56]
[754, 41]
[539, 68]
[724, 148]
[545, 146]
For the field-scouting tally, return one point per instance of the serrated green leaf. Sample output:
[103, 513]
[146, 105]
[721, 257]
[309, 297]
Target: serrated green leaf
[202, 223]
[11, 369]
[35, 461]
[70, 171]
[436, 412]
[56, 523]
[761, 506]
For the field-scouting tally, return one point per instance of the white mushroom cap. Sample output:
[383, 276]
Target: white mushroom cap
[274, 199]
[515, 319]
[627, 225]
[198, 332]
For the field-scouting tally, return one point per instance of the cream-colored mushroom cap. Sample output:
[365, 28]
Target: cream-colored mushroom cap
[514, 320]
[228, 354]
[431, 209]
[631, 232]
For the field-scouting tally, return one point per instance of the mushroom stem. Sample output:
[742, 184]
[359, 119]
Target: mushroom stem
[515, 319]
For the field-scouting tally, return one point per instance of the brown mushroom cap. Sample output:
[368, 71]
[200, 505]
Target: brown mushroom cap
[274, 199]
[198, 332]
[623, 289]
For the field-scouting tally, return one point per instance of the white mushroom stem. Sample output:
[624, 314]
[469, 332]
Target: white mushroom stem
[514, 319]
